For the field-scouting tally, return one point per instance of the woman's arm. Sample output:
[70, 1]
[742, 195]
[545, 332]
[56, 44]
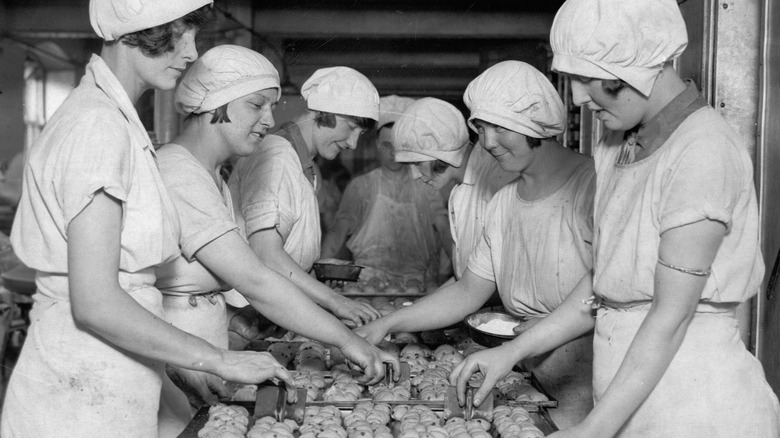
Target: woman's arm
[100, 305]
[269, 247]
[442, 308]
[571, 319]
[659, 337]
[231, 259]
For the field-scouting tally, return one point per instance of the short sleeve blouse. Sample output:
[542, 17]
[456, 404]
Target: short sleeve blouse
[700, 173]
[94, 142]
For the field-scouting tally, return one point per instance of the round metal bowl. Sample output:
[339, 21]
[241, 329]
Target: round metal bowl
[483, 337]
[337, 271]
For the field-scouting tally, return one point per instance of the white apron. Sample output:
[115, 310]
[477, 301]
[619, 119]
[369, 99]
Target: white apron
[566, 374]
[713, 387]
[99, 391]
[397, 239]
[203, 315]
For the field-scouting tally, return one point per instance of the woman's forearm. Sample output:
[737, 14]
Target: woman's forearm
[270, 293]
[573, 318]
[100, 305]
[446, 306]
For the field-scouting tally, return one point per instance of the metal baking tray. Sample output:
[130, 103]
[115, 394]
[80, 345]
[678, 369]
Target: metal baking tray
[540, 417]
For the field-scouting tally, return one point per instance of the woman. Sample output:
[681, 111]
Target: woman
[389, 222]
[676, 242]
[535, 246]
[227, 97]
[476, 174]
[94, 220]
[275, 187]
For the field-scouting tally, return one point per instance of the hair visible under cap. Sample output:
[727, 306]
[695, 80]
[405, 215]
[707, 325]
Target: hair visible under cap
[160, 39]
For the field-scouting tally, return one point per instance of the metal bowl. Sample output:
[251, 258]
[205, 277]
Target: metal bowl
[483, 337]
[345, 271]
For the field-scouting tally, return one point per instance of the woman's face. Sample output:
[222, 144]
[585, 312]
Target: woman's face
[619, 112]
[508, 147]
[386, 151]
[250, 117]
[329, 142]
[423, 171]
[162, 72]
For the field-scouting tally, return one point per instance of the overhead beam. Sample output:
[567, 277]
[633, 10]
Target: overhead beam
[290, 23]
[387, 59]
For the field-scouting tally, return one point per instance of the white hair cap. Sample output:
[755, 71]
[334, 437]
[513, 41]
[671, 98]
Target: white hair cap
[618, 39]
[431, 129]
[113, 18]
[341, 90]
[390, 109]
[222, 75]
[516, 96]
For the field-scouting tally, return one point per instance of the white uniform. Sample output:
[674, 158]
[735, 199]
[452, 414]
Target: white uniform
[537, 252]
[391, 226]
[713, 387]
[192, 300]
[272, 190]
[67, 380]
[468, 202]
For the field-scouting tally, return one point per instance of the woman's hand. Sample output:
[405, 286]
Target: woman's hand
[373, 332]
[357, 312]
[200, 386]
[494, 364]
[251, 367]
[371, 360]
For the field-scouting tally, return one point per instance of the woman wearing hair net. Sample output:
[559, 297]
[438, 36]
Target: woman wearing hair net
[391, 224]
[676, 241]
[441, 154]
[275, 187]
[228, 96]
[94, 221]
[535, 246]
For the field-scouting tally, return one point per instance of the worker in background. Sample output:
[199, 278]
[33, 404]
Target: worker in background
[227, 97]
[391, 223]
[275, 188]
[676, 241]
[535, 246]
[94, 221]
[476, 175]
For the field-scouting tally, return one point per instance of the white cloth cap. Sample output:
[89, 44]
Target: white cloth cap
[222, 75]
[516, 96]
[430, 129]
[618, 39]
[113, 18]
[391, 107]
[341, 90]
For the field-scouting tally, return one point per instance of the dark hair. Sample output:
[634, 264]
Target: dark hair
[612, 86]
[160, 39]
[533, 142]
[328, 120]
[438, 167]
[220, 115]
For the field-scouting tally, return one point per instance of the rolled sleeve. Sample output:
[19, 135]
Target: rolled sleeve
[203, 212]
[703, 183]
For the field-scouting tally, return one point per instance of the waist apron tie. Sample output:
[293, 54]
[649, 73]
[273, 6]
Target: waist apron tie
[84, 386]
[203, 315]
[713, 387]
[567, 375]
